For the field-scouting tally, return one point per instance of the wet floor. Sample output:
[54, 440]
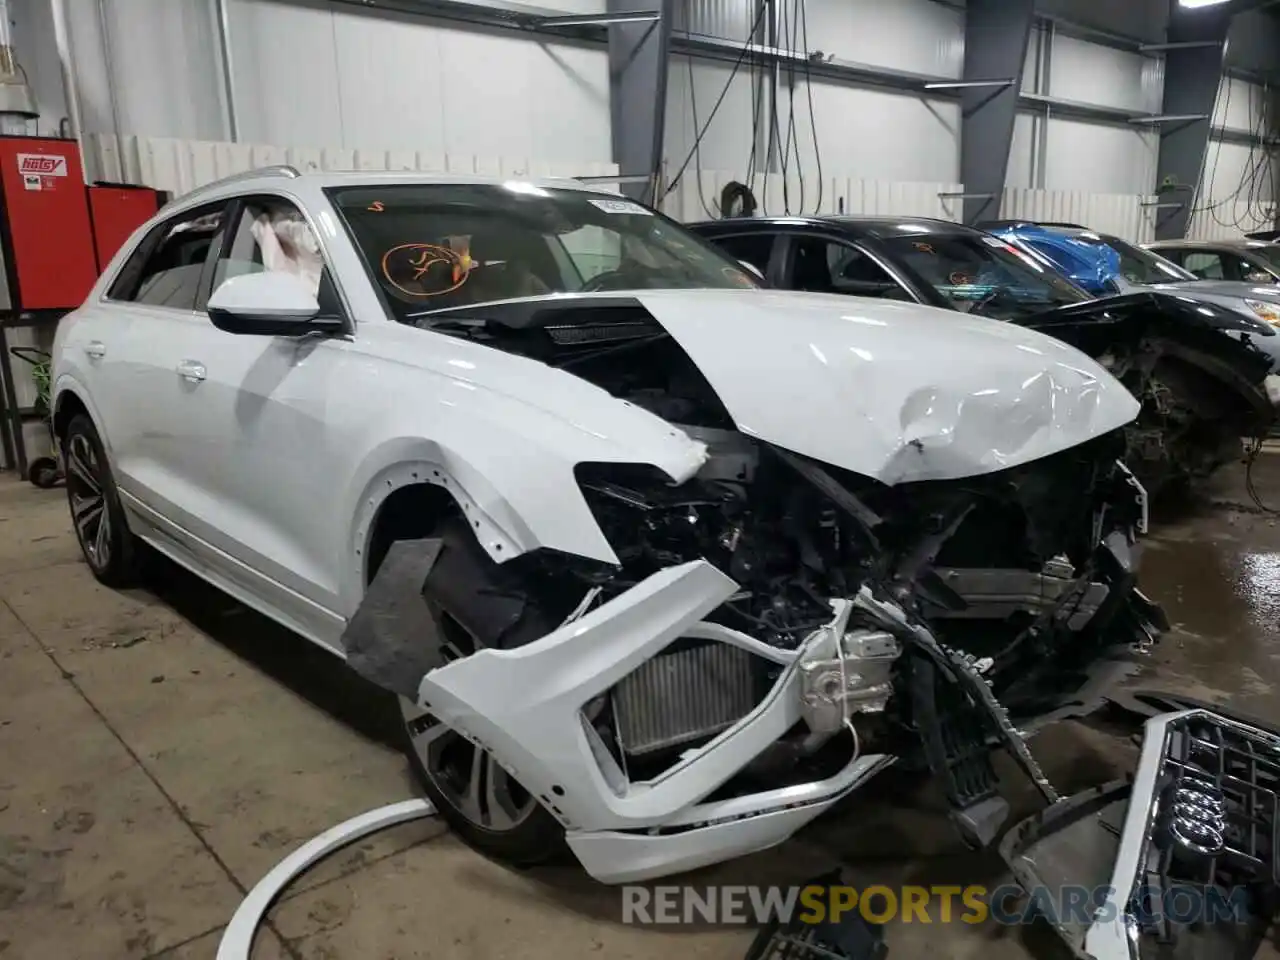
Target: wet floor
[161, 749]
[1216, 571]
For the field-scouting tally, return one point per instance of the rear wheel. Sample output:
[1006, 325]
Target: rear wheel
[479, 800]
[96, 513]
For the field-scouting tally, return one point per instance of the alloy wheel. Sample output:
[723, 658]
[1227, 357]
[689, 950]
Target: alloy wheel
[467, 777]
[86, 489]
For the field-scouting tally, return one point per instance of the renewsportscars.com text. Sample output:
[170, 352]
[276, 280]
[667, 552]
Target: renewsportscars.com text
[1007, 905]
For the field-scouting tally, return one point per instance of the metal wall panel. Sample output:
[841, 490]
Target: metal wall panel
[731, 19]
[1234, 172]
[326, 73]
[917, 35]
[1239, 104]
[182, 165]
[1124, 215]
[873, 134]
[726, 144]
[878, 135]
[696, 199]
[1227, 221]
[1023, 151]
[1100, 158]
[162, 67]
[337, 74]
[1091, 73]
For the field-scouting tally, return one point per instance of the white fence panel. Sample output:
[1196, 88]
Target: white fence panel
[1228, 221]
[181, 166]
[1128, 216]
[697, 196]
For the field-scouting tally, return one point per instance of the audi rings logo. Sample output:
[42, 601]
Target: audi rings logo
[1198, 817]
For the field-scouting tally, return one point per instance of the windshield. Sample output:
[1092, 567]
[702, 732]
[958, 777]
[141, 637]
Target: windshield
[984, 275]
[435, 246]
[1270, 253]
[1141, 266]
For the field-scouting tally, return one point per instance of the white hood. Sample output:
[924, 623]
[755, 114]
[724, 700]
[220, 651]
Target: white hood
[893, 391]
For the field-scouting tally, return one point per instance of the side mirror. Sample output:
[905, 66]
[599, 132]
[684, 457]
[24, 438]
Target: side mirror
[752, 269]
[269, 304]
[1259, 276]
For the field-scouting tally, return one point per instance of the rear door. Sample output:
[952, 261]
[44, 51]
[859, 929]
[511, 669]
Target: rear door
[158, 290]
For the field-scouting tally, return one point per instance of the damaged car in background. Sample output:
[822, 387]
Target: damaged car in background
[661, 564]
[1204, 371]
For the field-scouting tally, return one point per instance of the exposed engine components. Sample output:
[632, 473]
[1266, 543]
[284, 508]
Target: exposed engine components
[844, 673]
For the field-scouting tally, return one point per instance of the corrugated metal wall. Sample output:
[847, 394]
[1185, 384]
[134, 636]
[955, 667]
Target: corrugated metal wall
[324, 72]
[323, 76]
[371, 79]
[1124, 215]
[855, 132]
[697, 198]
[180, 166]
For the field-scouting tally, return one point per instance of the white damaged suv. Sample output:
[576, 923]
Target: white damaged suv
[659, 562]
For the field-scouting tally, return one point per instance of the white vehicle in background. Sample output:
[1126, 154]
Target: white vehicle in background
[698, 558]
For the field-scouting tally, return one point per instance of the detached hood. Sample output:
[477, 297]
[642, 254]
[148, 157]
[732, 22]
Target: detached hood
[894, 391]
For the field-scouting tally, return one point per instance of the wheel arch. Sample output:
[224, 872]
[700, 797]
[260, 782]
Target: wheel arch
[424, 476]
[70, 399]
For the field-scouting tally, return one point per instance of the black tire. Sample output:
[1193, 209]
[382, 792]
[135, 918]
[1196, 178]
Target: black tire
[93, 499]
[466, 587]
[43, 472]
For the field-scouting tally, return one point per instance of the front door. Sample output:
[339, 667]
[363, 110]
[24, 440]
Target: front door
[259, 409]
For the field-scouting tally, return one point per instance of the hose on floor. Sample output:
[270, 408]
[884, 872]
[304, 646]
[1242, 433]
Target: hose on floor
[237, 940]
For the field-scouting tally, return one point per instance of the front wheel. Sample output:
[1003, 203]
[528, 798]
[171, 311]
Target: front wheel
[479, 800]
[96, 514]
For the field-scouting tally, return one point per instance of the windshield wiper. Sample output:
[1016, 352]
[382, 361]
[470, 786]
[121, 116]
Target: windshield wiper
[467, 328]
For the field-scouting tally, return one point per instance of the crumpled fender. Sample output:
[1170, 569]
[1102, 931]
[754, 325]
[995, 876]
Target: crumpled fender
[1215, 339]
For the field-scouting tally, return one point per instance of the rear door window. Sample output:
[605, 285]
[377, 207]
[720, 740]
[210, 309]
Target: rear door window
[1205, 264]
[820, 265]
[753, 248]
[166, 268]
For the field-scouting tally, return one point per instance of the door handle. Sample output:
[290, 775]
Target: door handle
[191, 370]
[96, 349]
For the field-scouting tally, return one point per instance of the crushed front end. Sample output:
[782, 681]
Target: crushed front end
[1182, 862]
[776, 631]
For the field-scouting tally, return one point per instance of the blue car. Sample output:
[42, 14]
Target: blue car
[1091, 265]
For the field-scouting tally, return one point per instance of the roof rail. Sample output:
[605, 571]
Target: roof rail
[277, 170]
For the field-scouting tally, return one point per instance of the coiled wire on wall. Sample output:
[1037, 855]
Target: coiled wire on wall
[1256, 174]
[793, 36]
[737, 200]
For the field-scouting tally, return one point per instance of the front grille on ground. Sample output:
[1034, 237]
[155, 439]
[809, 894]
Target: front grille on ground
[1214, 835]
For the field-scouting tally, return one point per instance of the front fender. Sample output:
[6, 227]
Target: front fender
[1222, 342]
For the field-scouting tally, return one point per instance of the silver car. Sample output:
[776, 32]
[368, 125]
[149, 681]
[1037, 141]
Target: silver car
[1245, 259]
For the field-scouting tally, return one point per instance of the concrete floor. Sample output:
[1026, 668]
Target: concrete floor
[160, 750]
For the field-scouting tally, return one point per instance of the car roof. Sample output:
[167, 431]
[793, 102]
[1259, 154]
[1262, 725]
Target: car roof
[311, 182]
[879, 225]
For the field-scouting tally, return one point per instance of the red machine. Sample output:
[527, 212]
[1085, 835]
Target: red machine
[56, 235]
[117, 210]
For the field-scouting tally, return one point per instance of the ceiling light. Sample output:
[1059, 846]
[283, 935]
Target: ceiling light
[1199, 3]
